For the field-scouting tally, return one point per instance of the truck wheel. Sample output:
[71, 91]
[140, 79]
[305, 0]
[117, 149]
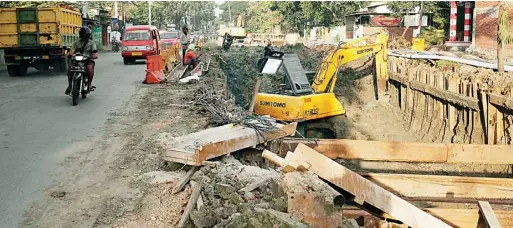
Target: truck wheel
[13, 70]
[22, 69]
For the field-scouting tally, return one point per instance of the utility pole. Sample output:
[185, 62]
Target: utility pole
[420, 18]
[149, 13]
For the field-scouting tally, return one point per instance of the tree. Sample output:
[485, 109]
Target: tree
[261, 18]
[234, 7]
[504, 36]
[298, 13]
[164, 13]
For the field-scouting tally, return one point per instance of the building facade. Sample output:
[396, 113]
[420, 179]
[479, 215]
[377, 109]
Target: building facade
[485, 24]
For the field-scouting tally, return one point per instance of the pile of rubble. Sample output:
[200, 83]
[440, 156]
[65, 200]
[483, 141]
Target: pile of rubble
[237, 195]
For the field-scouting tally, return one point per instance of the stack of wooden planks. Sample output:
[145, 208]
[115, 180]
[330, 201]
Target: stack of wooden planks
[389, 192]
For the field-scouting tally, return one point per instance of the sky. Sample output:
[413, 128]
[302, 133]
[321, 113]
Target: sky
[217, 11]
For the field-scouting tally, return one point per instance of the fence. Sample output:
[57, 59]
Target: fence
[449, 106]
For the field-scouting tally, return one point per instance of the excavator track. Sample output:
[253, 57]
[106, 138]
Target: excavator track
[334, 127]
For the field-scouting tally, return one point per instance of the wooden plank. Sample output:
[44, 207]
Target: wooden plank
[191, 204]
[484, 103]
[492, 123]
[218, 141]
[404, 151]
[255, 185]
[371, 150]
[441, 105]
[181, 184]
[451, 97]
[255, 91]
[486, 211]
[444, 187]
[363, 189]
[458, 218]
[502, 101]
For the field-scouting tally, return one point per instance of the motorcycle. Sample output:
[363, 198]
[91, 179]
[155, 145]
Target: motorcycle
[115, 45]
[80, 79]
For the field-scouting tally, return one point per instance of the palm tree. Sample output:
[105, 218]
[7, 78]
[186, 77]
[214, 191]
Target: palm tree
[504, 36]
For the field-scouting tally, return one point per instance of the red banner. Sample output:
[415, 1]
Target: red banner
[382, 20]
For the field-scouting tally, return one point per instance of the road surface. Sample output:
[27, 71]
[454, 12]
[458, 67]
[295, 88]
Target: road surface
[39, 127]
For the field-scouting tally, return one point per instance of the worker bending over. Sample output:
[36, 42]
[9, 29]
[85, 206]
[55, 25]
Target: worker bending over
[190, 58]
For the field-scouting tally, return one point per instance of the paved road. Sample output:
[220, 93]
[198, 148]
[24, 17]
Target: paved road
[39, 125]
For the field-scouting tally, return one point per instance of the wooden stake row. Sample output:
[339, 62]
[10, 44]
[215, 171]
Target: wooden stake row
[446, 107]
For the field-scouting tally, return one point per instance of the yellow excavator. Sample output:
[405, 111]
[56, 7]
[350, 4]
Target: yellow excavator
[315, 106]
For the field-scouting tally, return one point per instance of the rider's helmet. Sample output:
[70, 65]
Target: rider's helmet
[85, 33]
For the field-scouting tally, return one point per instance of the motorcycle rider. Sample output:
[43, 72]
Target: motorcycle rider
[86, 47]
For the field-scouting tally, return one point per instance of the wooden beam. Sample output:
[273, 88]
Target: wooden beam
[191, 204]
[184, 180]
[403, 151]
[502, 101]
[364, 191]
[193, 149]
[441, 94]
[444, 187]
[485, 209]
[255, 92]
[458, 218]
[255, 185]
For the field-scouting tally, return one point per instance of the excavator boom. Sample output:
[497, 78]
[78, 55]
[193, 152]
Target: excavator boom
[325, 77]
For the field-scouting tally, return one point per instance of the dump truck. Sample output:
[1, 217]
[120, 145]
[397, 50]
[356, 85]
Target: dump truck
[38, 37]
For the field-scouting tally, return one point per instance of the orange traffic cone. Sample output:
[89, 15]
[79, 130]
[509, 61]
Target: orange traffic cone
[154, 74]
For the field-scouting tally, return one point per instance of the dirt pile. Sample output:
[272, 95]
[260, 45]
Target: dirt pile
[239, 67]
[225, 207]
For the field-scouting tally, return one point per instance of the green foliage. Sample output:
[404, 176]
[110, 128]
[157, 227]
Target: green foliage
[235, 7]
[332, 13]
[505, 36]
[444, 64]
[433, 36]
[163, 13]
[35, 4]
[261, 19]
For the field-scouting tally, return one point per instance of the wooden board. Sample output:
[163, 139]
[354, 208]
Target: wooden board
[499, 100]
[444, 187]
[363, 189]
[459, 218]
[486, 211]
[442, 94]
[193, 149]
[404, 151]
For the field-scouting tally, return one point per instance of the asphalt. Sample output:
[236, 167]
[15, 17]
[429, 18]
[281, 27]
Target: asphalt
[39, 125]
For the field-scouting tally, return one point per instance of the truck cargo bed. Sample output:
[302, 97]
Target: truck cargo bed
[32, 27]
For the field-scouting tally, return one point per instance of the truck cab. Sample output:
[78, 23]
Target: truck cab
[140, 41]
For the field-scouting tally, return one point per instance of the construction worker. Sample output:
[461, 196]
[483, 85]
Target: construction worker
[268, 49]
[190, 58]
[185, 40]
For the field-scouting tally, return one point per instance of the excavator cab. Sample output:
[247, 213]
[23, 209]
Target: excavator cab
[315, 106]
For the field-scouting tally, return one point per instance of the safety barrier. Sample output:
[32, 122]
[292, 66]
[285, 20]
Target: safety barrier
[154, 73]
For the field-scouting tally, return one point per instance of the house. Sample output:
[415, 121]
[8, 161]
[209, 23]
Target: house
[376, 16]
[485, 19]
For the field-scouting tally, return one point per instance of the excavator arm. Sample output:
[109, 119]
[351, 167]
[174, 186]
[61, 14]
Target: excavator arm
[326, 78]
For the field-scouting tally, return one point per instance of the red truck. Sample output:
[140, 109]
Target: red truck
[138, 42]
